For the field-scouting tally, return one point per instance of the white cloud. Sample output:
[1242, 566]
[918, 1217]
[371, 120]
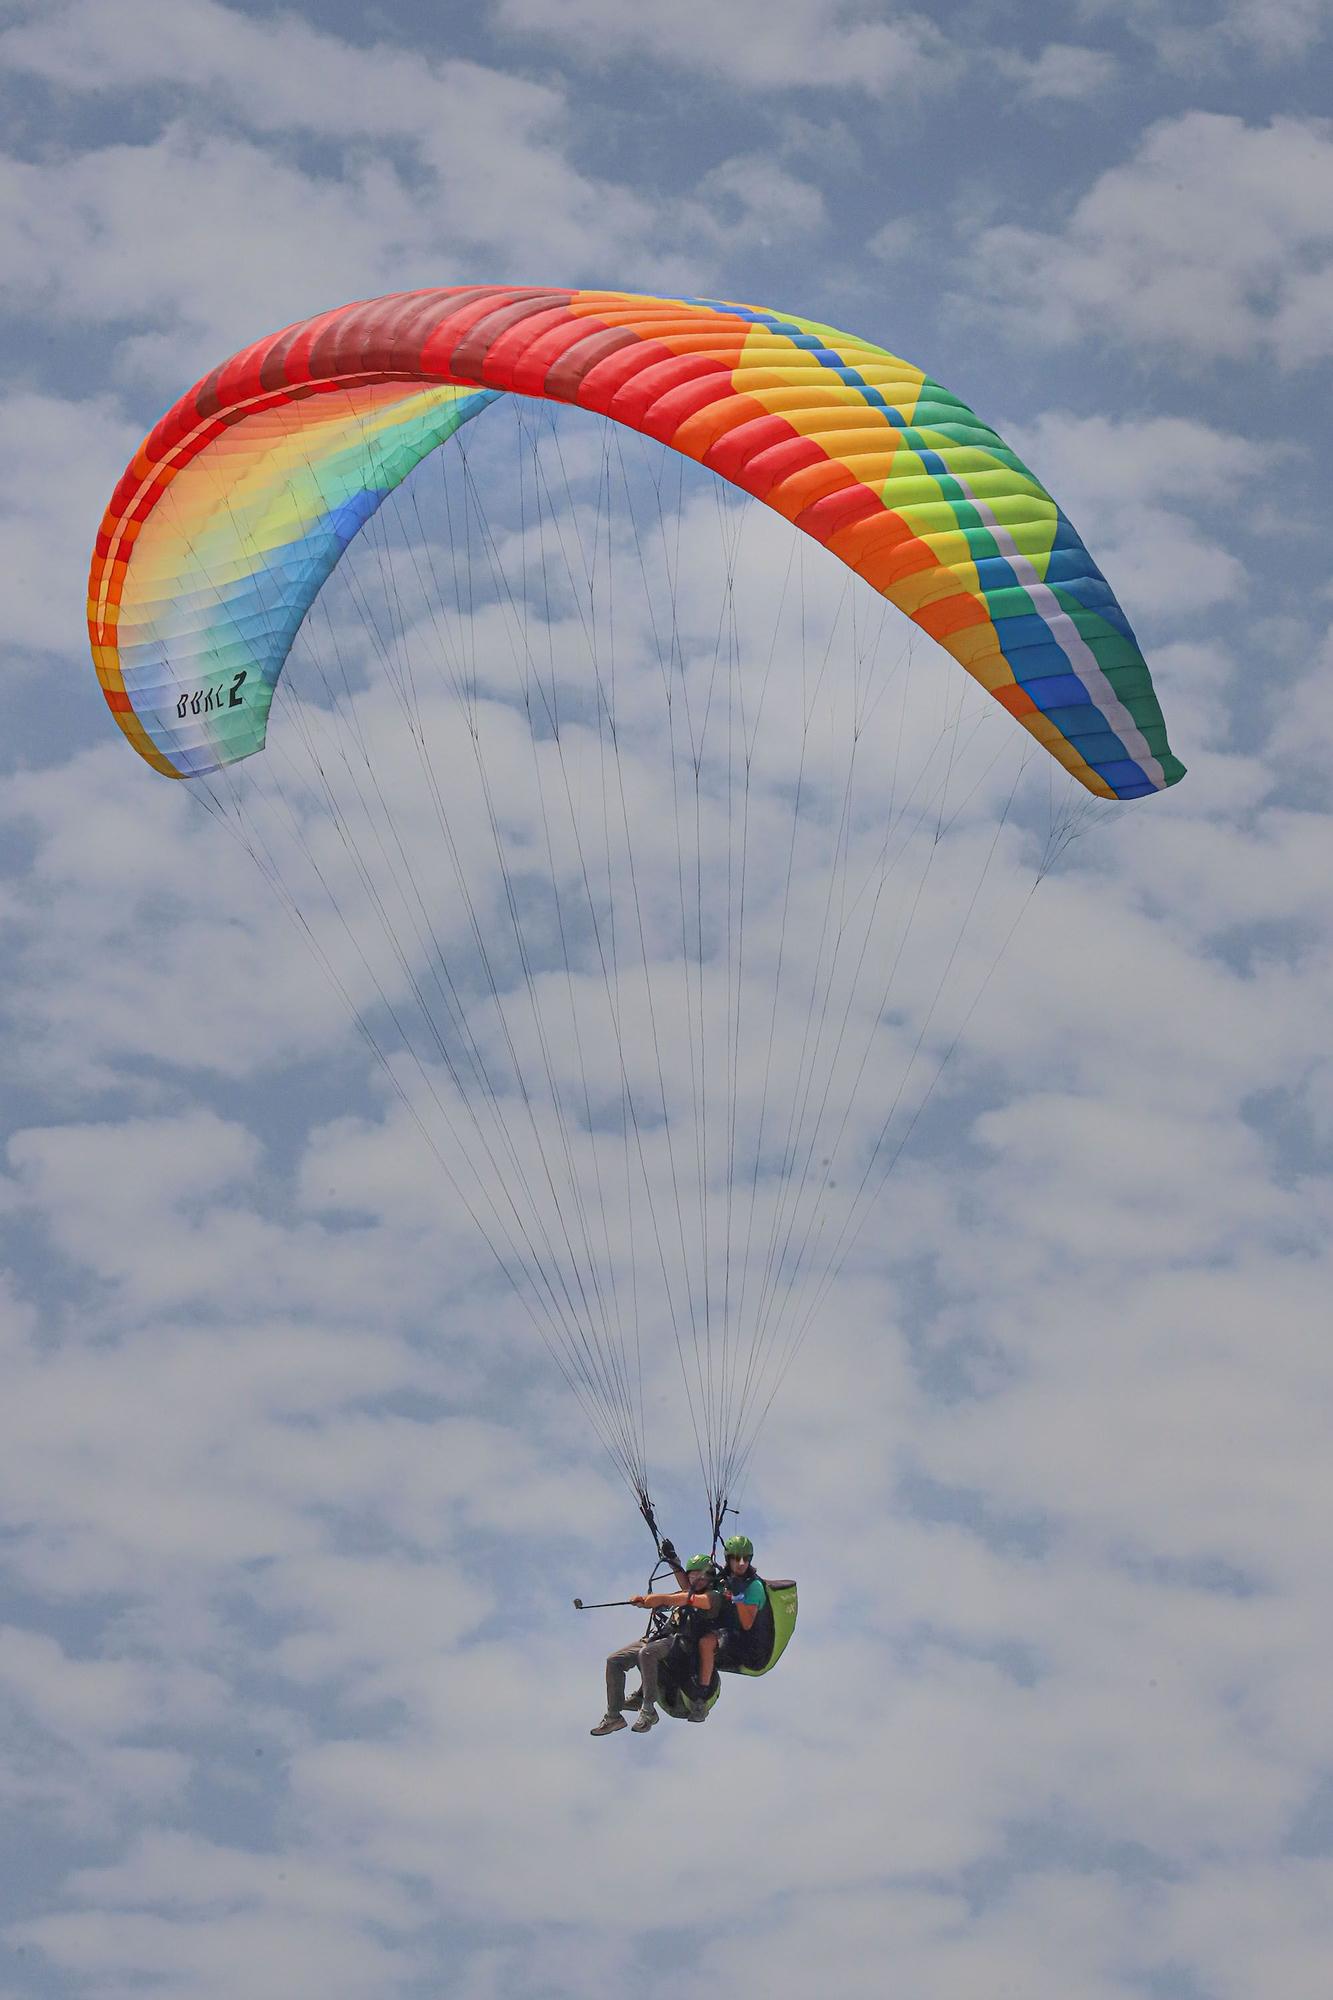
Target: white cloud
[63, 458]
[1254, 1927]
[284, 1469]
[180, 994]
[1303, 724]
[1130, 459]
[894, 239]
[1116, 478]
[1214, 239]
[767, 203]
[79, 1697]
[804, 44]
[1278, 29]
[278, 1950]
[70, 1727]
[209, 239]
[282, 76]
[1233, 34]
[202, 236]
[1063, 72]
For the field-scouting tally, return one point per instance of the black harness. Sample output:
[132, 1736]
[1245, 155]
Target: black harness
[692, 1623]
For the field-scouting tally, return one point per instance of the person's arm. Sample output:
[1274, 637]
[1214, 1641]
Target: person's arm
[672, 1600]
[669, 1556]
[747, 1608]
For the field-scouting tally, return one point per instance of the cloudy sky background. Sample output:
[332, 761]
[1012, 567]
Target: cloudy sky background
[292, 1700]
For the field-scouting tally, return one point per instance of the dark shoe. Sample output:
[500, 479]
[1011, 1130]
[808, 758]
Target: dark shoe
[634, 1700]
[609, 1725]
[647, 1720]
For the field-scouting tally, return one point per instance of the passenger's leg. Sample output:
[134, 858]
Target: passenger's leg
[618, 1665]
[651, 1655]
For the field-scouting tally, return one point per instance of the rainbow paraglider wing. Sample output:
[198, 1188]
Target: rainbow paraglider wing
[243, 498]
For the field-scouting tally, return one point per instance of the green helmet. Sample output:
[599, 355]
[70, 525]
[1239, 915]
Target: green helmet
[699, 1562]
[739, 1545]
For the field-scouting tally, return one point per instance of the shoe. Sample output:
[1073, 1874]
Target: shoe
[697, 1711]
[609, 1725]
[647, 1720]
[634, 1700]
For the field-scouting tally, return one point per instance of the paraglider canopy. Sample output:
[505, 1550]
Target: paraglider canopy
[270, 465]
[657, 953]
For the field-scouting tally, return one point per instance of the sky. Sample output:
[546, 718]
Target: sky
[292, 1501]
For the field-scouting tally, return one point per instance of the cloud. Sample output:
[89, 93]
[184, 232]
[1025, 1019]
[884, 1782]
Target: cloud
[270, 1937]
[70, 1750]
[1233, 1929]
[763, 197]
[293, 1499]
[202, 239]
[894, 240]
[1116, 479]
[1279, 30]
[180, 994]
[282, 76]
[1213, 240]
[63, 458]
[1097, 1690]
[1114, 459]
[217, 227]
[807, 44]
[1063, 72]
[283, 1924]
[1233, 33]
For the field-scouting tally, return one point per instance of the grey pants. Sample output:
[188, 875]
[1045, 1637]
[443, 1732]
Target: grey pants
[645, 1654]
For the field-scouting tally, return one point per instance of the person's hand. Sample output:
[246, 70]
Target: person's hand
[669, 1554]
[640, 1600]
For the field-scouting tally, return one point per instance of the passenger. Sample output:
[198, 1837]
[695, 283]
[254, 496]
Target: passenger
[696, 1611]
[746, 1601]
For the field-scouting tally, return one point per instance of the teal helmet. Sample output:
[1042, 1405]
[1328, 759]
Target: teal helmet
[698, 1562]
[739, 1545]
